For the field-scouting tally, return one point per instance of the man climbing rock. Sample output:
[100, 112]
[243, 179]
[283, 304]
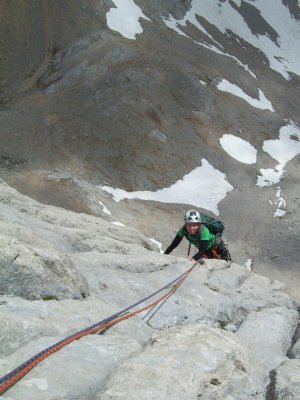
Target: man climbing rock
[198, 235]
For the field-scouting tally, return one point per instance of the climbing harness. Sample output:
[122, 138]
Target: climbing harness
[219, 251]
[16, 374]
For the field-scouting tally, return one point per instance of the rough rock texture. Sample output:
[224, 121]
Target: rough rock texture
[269, 325]
[36, 246]
[295, 350]
[285, 381]
[81, 106]
[79, 98]
[218, 336]
[189, 362]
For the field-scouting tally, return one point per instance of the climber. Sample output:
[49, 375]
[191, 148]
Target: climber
[198, 235]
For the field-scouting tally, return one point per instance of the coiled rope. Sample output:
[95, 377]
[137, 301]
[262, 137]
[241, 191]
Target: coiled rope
[16, 374]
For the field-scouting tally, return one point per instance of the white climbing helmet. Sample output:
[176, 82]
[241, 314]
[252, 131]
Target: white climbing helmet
[192, 216]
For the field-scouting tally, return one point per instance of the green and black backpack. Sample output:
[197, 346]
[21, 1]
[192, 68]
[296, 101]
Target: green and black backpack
[215, 226]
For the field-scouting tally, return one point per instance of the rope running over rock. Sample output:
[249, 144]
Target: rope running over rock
[15, 375]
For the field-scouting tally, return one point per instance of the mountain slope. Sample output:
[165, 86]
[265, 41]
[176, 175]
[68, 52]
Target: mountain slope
[138, 95]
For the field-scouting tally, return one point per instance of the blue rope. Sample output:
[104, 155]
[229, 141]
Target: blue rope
[108, 319]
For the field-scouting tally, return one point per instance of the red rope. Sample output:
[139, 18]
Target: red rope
[18, 375]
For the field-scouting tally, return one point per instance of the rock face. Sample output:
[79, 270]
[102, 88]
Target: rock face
[189, 362]
[217, 337]
[84, 104]
[286, 381]
[80, 97]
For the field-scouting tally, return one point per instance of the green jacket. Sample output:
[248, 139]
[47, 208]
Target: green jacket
[202, 234]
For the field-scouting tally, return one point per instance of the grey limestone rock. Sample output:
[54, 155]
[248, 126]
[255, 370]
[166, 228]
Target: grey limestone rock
[294, 352]
[285, 382]
[269, 333]
[190, 362]
[217, 336]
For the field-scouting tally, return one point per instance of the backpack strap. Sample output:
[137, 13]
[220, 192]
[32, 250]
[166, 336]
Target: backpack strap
[200, 231]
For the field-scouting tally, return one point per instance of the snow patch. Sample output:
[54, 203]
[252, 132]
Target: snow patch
[283, 150]
[262, 102]
[281, 204]
[201, 9]
[118, 223]
[159, 245]
[238, 148]
[204, 187]
[248, 263]
[280, 53]
[124, 18]
[104, 209]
